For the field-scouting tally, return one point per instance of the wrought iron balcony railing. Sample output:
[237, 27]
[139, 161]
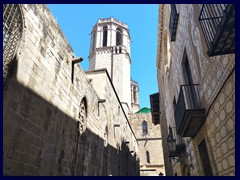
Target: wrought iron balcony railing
[189, 114]
[173, 22]
[218, 25]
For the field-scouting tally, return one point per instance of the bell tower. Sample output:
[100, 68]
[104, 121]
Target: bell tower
[110, 49]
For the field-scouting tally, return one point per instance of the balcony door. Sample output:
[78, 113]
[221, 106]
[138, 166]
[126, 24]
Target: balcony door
[188, 90]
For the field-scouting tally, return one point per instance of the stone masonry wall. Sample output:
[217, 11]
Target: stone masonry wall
[42, 107]
[215, 76]
[151, 143]
[219, 132]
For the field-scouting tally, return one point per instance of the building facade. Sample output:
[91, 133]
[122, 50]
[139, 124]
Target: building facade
[110, 49]
[149, 139]
[58, 119]
[196, 79]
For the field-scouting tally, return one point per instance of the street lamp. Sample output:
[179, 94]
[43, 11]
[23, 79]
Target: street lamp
[177, 150]
[171, 141]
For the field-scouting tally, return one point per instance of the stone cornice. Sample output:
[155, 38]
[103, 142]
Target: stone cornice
[160, 35]
[110, 49]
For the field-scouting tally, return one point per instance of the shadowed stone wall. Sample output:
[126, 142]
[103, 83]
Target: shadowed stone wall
[53, 122]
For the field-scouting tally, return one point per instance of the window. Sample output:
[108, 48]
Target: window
[144, 128]
[186, 69]
[174, 104]
[134, 94]
[188, 78]
[148, 157]
[119, 37]
[105, 36]
[218, 26]
[82, 116]
[94, 40]
[173, 22]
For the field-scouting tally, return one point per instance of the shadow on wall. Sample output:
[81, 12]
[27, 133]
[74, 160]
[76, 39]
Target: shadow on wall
[39, 139]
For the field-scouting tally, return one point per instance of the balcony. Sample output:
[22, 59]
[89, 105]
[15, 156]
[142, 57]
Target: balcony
[189, 114]
[173, 22]
[218, 25]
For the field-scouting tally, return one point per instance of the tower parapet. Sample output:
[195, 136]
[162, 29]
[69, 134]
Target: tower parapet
[110, 49]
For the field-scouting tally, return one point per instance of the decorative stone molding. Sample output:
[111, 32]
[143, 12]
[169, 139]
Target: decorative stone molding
[82, 116]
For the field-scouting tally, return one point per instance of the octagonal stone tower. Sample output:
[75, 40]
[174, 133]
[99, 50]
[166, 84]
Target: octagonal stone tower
[110, 49]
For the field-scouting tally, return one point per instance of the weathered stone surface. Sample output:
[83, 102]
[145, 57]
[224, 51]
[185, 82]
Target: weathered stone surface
[216, 79]
[42, 106]
[151, 143]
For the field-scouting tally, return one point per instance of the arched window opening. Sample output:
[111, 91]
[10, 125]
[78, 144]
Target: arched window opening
[134, 94]
[119, 37]
[144, 128]
[105, 32]
[148, 156]
[94, 40]
[12, 33]
[82, 115]
[80, 152]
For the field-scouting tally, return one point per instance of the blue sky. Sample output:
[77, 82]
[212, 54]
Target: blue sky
[77, 20]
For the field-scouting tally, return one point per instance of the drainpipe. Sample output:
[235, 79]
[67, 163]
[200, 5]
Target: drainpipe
[112, 64]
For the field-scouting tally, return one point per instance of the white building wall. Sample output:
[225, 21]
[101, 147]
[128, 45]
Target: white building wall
[107, 57]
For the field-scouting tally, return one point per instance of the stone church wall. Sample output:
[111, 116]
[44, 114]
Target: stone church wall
[151, 143]
[42, 108]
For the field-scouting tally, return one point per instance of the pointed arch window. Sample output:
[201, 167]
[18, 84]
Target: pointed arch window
[144, 128]
[94, 40]
[82, 116]
[105, 32]
[134, 94]
[119, 37]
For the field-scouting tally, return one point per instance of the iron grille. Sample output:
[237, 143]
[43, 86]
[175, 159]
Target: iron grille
[188, 100]
[173, 22]
[12, 31]
[218, 25]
